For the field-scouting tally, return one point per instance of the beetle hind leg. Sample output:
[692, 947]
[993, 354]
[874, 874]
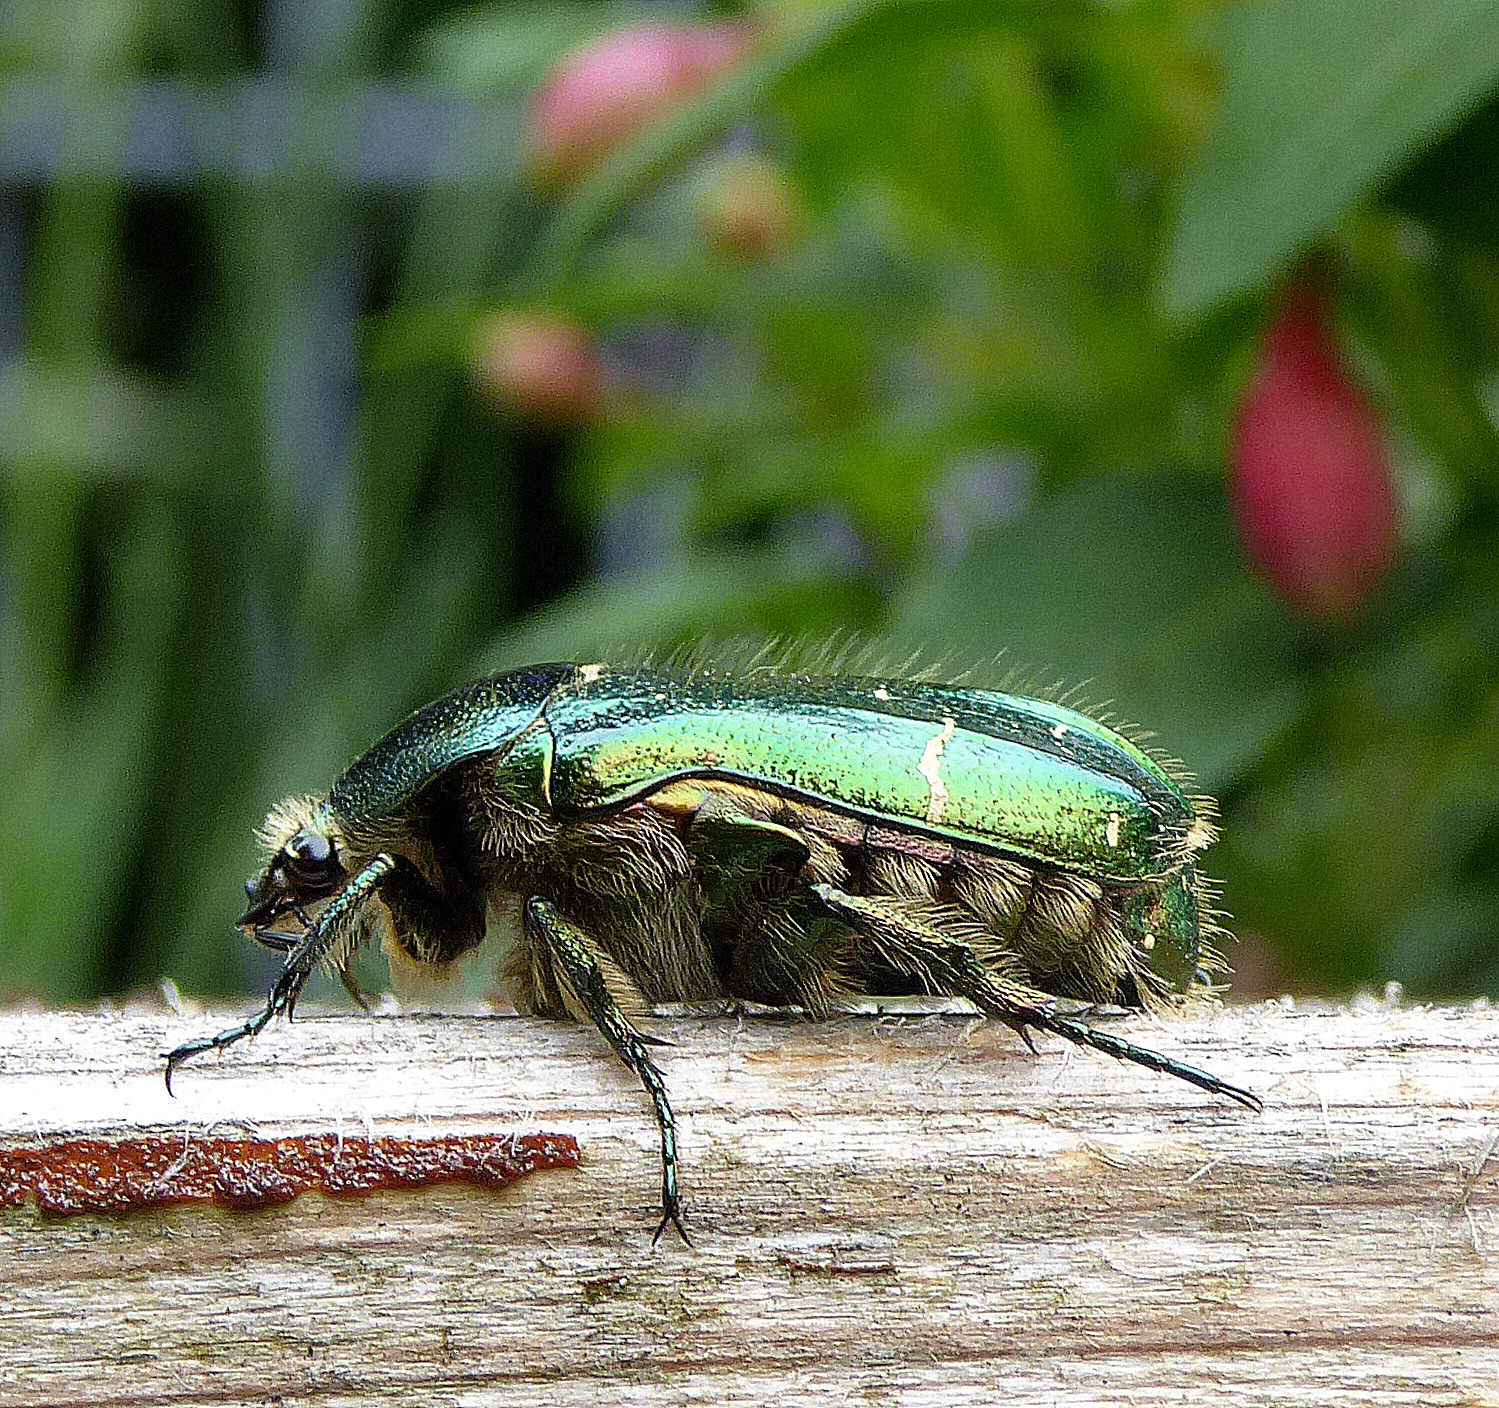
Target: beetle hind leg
[1111, 1045]
[575, 961]
[945, 963]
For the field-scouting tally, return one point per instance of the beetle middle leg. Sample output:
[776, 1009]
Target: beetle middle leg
[950, 965]
[573, 956]
[309, 950]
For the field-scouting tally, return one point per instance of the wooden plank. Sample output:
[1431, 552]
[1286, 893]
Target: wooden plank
[887, 1211]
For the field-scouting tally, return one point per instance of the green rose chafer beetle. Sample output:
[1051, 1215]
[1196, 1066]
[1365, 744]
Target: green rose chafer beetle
[661, 835]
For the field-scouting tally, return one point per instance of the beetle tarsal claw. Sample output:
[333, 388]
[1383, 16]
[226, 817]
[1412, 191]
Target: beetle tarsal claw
[752, 835]
[671, 1216]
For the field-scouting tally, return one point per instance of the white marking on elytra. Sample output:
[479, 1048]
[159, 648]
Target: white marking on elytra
[930, 767]
[1058, 731]
[882, 694]
[587, 674]
[1111, 833]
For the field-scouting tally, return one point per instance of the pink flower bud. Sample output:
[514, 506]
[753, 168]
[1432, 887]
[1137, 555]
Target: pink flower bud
[603, 93]
[539, 364]
[1309, 477]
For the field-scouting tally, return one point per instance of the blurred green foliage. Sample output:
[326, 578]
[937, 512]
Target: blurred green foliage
[255, 508]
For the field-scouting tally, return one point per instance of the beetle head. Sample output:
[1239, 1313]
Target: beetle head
[304, 869]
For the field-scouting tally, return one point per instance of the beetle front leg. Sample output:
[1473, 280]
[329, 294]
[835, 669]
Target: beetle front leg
[275, 1002]
[300, 961]
[572, 955]
[951, 965]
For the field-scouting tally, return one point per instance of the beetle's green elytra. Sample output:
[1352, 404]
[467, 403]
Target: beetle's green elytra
[675, 835]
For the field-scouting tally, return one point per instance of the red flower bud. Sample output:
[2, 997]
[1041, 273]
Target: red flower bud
[602, 94]
[1309, 477]
[539, 364]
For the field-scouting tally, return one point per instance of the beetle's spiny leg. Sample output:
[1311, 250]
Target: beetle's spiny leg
[281, 998]
[345, 976]
[571, 953]
[1111, 1045]
[300, 962]
[955, 965]
[197, 1047]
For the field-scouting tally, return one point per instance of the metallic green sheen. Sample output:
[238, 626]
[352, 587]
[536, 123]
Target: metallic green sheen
[1022, 777]
[479, 718]
[1165, 922]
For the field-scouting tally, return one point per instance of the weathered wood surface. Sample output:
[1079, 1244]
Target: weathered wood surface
[907, 1212]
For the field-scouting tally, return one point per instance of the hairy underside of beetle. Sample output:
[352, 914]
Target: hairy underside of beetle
[702, 891]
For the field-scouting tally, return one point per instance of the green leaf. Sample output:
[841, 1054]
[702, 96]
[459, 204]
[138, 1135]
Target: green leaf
[1133, 591]
[1455, 186]
[1363, 847]
[1325, 99]
[72, 807]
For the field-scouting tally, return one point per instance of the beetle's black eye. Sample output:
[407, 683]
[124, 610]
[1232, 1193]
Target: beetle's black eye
[310, 847]
[307, 868]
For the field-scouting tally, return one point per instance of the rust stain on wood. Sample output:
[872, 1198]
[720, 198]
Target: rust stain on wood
[70, 1176]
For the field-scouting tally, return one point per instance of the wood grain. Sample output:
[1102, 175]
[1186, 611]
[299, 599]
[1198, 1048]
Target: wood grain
[885, 1211]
